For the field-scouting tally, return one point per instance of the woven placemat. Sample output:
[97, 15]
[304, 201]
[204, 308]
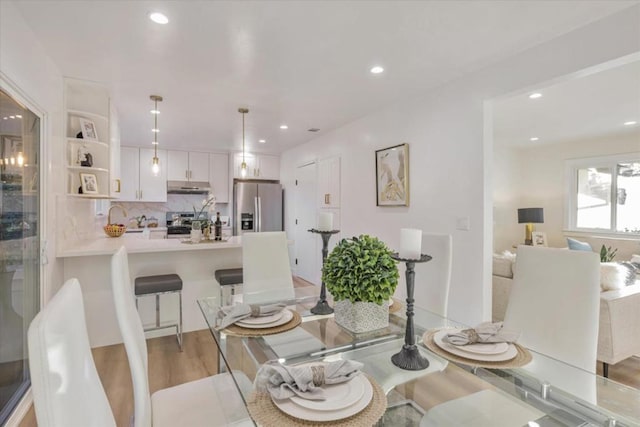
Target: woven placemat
[397, 306]
[239, 331]
[266, 413]
[522, 358]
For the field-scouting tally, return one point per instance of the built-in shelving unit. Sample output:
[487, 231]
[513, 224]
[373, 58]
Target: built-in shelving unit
[89, 102]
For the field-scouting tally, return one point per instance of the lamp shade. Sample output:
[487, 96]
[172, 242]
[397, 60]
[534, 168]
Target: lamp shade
[530, 215]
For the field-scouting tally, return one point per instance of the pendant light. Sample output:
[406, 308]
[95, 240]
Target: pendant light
[155, 167]
[243, 166]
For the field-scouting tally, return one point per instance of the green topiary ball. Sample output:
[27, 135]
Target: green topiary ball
[361, 269]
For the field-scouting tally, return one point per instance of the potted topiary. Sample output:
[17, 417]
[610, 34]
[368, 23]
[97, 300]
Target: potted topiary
[361, 276]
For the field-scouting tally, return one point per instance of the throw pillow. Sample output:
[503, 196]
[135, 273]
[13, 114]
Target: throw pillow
[577, 245]
[613, 276]
[631, 274]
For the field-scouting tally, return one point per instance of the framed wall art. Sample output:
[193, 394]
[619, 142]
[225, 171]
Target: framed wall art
[392, 176]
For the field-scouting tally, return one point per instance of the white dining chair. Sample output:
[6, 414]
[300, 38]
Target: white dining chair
[435, 275]
[211, 401]
[66, 387]
[555, 303]
[266, 268]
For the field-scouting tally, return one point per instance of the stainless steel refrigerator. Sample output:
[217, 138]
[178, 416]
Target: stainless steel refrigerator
[257, 206]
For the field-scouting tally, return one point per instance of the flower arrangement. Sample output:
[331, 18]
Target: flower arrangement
[208, 206]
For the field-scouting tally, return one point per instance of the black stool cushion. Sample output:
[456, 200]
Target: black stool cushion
[229, 276]
[156, 284]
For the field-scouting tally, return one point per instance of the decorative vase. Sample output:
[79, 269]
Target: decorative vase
[361, 316]
[196, 236]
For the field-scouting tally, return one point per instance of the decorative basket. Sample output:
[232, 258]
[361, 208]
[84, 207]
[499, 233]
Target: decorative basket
[114, 230]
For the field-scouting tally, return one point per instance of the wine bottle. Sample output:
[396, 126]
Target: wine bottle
[218, 227]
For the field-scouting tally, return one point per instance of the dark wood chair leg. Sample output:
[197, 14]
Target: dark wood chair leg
[605, 370]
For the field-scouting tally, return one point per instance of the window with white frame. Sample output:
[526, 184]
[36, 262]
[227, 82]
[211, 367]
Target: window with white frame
[604, 194]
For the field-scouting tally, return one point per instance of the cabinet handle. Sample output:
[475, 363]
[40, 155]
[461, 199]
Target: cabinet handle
[258, 171]
[186, 174]
[190, 174]
[327, 199]
[140, 194]
[118, 188]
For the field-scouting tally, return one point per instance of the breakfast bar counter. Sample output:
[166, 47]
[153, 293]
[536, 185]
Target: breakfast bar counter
[90, 262]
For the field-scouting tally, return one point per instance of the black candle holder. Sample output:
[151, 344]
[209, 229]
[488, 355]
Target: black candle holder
[323, 307]
[409, 357]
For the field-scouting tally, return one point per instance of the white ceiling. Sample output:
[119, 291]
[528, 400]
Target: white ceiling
[301, 63]
[581, 108]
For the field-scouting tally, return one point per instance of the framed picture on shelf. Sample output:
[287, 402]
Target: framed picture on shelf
[392, 176]
[89, 183]
[539, 238]
[88, 129]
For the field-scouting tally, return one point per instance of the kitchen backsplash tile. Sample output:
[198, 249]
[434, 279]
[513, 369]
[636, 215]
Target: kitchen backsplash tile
[175, 203]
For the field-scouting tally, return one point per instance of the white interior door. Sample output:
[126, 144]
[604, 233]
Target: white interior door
[307, 255]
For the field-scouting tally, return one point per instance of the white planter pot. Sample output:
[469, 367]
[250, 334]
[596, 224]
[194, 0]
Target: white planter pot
[361, 316]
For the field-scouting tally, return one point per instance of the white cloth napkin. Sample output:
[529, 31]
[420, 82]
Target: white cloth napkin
[283, 382]
[232, 313]
[485, 332]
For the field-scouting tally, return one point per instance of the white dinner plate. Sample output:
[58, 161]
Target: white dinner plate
[286, 317]
[339, 396]
[260, 320]
[484, 348]
[297, 411]
[511, 352]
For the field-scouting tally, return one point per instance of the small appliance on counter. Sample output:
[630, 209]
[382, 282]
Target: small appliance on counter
[179, 224]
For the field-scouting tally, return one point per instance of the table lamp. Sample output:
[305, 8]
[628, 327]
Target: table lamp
[530, 216]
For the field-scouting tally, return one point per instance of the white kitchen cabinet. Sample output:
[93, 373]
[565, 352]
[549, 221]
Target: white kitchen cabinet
[219, 176]
[262, 166]
[268, 167]
[329, 182]
[138, 183]
[188, 166]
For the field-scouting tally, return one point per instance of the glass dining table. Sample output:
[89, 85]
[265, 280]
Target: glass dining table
[543, 392]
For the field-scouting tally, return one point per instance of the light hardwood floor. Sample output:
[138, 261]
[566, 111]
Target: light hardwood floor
[168, 367]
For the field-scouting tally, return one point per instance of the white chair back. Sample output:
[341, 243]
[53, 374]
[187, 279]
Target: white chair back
[266, 268]
[132, 336]
[555, 302]
[434, 277]
[66, 387]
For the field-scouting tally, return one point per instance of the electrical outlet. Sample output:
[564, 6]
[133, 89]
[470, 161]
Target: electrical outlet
[462, 223]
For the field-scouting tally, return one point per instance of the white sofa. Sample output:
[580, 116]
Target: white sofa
[619, 327]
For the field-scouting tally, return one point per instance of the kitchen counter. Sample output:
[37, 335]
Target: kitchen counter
[90, 262]
[136, 244]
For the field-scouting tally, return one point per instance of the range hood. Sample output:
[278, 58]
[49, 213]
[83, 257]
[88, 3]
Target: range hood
[188, 187]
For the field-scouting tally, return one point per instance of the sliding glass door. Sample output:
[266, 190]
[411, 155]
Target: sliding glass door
[19, 245]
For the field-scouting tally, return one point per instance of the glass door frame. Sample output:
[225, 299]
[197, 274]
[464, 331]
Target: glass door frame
[44, 152]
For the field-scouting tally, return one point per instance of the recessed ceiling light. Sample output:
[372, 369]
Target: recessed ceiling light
[155, 111]
[5, 118]
[535, 138]
[284, 127]
[535, 95]
[262, 141]
[158, 18]
[630, 123]
[12, 117]
[155, 130]
[18, 116]
[376, 70]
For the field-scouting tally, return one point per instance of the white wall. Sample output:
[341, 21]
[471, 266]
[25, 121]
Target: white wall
[535, 176]
[28, 68]
[445, 130]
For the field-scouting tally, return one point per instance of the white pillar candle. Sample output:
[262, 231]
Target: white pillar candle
[325, 221]
[410, 243]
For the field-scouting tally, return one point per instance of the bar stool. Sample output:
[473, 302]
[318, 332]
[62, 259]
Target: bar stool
[228, 278]
[160, 285]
